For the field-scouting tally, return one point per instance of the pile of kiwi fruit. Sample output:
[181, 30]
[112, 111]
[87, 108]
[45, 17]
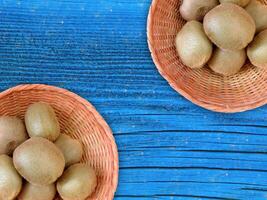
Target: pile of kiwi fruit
[222, 34]
[37, 161]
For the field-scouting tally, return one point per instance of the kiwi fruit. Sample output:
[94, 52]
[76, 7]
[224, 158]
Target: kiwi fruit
[39, 161]
[10, 180]
[193, 46]
[241, 3]
[196, 9]
[41, 121]
[12, 134]
[258, 11]
[226, 62]
[229, 26]
[257, 50]
[78, 182]
[35, 192]
[71, 149]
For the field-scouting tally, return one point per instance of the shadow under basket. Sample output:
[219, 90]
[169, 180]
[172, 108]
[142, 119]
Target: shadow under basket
[240, 92]
[79, 119]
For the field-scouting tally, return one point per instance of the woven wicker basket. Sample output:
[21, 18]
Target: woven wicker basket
[243, 91]
[79, 119]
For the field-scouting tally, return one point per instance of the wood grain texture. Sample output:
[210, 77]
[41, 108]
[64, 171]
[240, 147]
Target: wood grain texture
[169, 148]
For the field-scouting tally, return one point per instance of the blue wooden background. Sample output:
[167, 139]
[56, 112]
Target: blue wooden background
[168, 147]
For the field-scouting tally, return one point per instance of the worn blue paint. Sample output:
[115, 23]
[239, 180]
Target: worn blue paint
[169, 148]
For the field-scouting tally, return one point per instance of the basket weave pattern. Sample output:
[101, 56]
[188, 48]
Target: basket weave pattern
[80, 120]
[243, 91]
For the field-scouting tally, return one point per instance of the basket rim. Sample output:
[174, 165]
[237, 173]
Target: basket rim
[100, 120]
[207, 105]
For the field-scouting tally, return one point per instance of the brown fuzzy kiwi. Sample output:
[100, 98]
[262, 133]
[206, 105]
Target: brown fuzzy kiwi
[35, 192]
[229, 26]
[196, 9]
[10, 180]
[71, 149]
[41, 121]
[258, 12]
[193, 46]
[78, 182]
[39, 161]
[257, 50]
[226, 62]
[12, 134]
[241, 3]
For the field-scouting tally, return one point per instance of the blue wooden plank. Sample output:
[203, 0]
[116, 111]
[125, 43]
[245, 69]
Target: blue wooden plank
[169, 148]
